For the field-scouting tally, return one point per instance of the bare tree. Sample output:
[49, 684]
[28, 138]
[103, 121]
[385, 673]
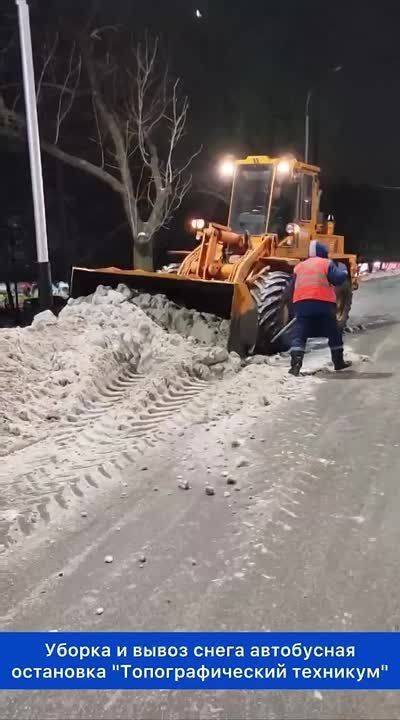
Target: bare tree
[138, 119]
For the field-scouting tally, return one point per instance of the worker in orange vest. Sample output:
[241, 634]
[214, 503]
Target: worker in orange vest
[315, 306]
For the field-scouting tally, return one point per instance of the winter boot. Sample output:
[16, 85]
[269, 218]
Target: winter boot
[338, 361]
[296, 362]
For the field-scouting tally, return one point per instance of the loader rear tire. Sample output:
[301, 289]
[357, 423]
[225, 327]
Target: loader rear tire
[344, 299]
[272, 294]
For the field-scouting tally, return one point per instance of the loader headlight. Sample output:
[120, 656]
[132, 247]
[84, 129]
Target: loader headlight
[198, 224]
[292, 229]
[227, 167]
[284, 167]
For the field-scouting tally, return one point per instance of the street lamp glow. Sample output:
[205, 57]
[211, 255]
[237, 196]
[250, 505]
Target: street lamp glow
[227, 168]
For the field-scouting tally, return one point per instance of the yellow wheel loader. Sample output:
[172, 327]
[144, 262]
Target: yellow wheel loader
[243, 271]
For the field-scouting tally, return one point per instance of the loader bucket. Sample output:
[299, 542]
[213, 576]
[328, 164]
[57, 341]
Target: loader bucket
[231, 301]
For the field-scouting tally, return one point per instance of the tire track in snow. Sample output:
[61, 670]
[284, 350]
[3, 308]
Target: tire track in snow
[92, 448]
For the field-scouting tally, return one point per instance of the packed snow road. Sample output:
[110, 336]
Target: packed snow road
[301, 532]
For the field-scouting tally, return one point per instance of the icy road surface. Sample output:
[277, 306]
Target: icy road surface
[304, 537]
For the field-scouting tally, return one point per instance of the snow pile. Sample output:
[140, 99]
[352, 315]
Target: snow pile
[50, 367]
[205, 328]
[59, 370]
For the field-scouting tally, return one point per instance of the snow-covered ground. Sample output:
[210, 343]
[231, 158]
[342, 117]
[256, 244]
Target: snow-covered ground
[379, 274]
[85, 395]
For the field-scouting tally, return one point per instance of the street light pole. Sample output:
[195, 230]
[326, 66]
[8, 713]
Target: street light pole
[44, 274]
[307, 127]
[307, 118]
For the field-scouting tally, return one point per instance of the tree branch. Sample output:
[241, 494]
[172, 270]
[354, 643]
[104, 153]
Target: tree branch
[139, 120]
[62, 113]
[130, 201]
[68, 159]
[44, 68]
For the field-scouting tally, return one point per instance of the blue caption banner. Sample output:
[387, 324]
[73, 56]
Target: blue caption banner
[196, 661]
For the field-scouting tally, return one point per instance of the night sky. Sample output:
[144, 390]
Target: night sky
[247, 67]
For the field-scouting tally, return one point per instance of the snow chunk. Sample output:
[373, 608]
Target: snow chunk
[44, 318]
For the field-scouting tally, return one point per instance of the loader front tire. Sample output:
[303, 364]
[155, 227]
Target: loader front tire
[272, 294]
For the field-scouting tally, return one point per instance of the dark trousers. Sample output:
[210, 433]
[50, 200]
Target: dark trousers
[324, 325]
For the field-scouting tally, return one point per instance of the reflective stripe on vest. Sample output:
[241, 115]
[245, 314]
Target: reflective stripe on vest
[312, 281]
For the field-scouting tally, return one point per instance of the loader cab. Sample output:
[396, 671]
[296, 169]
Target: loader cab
[268, 194]
[249, 203]
[284, 206]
